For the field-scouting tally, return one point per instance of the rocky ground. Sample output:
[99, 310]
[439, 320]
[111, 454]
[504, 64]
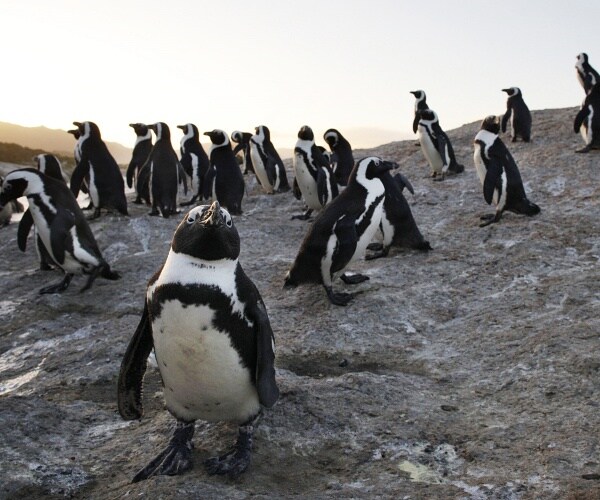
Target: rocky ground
[471, 371]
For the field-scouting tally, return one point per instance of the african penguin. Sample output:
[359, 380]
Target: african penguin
[193, 159]
[518, 114]
[587, 120]
[268, 165]
[314, 177]
[242, 140]
[499, 174]
[341, 232]
[420, 105]
[342, 158]
[213, 342]
[139, 156]
[224, 179]
[106, 185]
[164, 172]
[436, 146]
[61, 225]
[398, 226]
[586, 74]
[77, 156]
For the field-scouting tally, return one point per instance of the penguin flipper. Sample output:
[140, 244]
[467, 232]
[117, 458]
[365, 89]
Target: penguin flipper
[268, 392]
[345, 231]
[296, 189]
[402, 182]
[62, 223]
[324, 186]
[207, 183]
[78, 176]
[416, 122]
[130, 172]
[23, 230]
[582, 115]
[492, 179]
[182, 177]
[240, 145]
[271, 169]
[133, 368]
[505, 118]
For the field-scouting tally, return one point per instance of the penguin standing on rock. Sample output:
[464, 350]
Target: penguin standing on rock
[398, 226]
[436, 146]
[519, 115]
[420, 105]
[314, 177]
[586, 74]
[342, 158]
[213, 341]
[268, 165]
[106, 185]
[499, 174]
[341, 232]
[139, 156]
[587, 120]
[224, 180]
[242, 140]
[61, 225]
[193, 159]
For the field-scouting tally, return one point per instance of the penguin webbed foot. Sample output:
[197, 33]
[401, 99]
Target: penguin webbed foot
[175, 459]
[305, 216]
[95, 215]
[237, 459]
[379, 252]
[58, 287]
[376, 247]
[585, 149]
[489, 219]
[340, 298]
[353, 278]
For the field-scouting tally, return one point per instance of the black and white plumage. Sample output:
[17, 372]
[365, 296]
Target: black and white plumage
[165, 172]
[436, 146]
[242, 140]
[9, 209]
[586, 74]
[106, 185]
[519, 115]
[136, 176]
[193, 159]
[341, 232]
[420, 105]
[313, 174]
[587, 120]
[60, 224]
[342, 159]
[224, 181]
[213, 342]
[398, 226]
[268, 165]
[499, 174]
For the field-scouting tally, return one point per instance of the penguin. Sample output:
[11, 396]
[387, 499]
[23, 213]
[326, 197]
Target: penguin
[586, 74]
[587, 120]
[61, 225]
[243, 144]
[193, 159]
[314, 176]
[398, 226]
[499, 174]
[341, 232]
[518, 114]
[420, 105]
[106, 185]
[224, 179]
[436, 146]
[139, 156]
[213, 341]
[8, 210]
[163, 171]
[342, 158]
[268, 165]
[77, 156]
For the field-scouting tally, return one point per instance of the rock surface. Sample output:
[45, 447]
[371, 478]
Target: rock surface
[471, 371]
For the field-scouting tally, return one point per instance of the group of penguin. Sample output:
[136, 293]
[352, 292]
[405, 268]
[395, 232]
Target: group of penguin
[201, 295]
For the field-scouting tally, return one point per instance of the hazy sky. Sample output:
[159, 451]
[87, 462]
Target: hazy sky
[236, 64]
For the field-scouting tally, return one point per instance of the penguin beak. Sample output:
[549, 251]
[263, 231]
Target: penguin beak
[213, 216]
[414, 92]
[182, 127]
[506, 90]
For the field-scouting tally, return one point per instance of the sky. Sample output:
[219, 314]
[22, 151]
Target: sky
[235, 64]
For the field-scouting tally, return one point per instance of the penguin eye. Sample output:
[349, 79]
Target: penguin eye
[228, 220]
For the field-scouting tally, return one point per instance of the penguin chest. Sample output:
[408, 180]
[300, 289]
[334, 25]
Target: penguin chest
[93, 188]
[430, 152]
[259, 168]
[387, 229]
[306, 183]
[479, 163]
[203, 374]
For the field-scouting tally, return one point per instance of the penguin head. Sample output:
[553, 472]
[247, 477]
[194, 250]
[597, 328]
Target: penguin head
[512, 91]
[161, 129]
[370, 168]
[189, 129]
[419, 94]
[207, 232]
[332, 137]
[263, 131]
[491, 124]
[237, 136]
[306, 134]
[218, 137]
[140, 129]
[88, 129]
[19, 183]
[582, 58]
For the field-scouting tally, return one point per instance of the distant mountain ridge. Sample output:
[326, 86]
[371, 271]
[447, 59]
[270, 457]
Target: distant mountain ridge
[53, 141]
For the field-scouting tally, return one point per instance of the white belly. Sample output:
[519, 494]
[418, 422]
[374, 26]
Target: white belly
[307, 184]
[431, 154]
[387, 230]
[259, 169]
[93, 190]
[202, 373]
[479, 165]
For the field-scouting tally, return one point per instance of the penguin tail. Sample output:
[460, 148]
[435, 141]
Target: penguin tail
[423, 246]
[526, 207]
[108, 274]
[290, 281]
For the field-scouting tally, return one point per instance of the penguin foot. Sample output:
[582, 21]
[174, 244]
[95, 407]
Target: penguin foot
[58, 287]
[353, 279]
[586, 149]
[305, 216]
[138, 201]
[175, 459]
[236, 460]
[340, 298]
[378, 254]
[489, 219]
[439, 178]
[153, 213]
[376, 247]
